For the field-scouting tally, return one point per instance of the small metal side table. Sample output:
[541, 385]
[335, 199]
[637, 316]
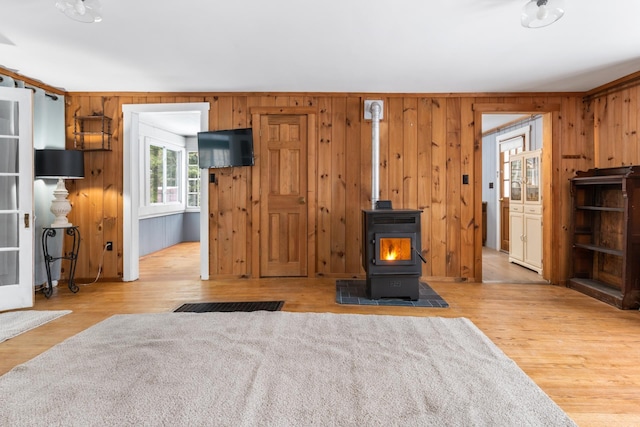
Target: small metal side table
[72, 256]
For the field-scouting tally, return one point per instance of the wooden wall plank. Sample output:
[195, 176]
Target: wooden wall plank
[324, 174]
[312, 185]
[629, 125]
[470, 208]
[225, 213]
[439, 220]
[617, 104]
[569, 150]
[425, 177]
[253, 267]
[118, 242]
[392, 184]
[338, 186]
[409, 150]
[604, 121]
[454, 182]
[240, 199]
[214, 236]
[353, 202]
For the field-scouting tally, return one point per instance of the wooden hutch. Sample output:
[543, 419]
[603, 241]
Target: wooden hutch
[606, 235]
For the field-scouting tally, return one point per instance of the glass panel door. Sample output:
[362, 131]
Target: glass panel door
[8, 200]
[516, 179]
[16, 199]
[533, 179]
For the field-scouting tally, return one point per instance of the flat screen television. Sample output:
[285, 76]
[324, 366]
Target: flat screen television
[225, 148]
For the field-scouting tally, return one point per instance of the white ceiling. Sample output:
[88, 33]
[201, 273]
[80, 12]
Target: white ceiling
[414, 46]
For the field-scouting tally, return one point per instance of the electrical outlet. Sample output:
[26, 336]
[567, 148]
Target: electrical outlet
[109, 246]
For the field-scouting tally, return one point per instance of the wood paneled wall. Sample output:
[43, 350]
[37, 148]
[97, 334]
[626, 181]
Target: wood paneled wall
[616, 121]
[427, 144]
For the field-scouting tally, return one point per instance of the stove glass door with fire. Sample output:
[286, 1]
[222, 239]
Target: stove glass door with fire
[395, 248]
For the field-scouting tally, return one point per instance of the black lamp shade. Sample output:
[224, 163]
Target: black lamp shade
[65, 164]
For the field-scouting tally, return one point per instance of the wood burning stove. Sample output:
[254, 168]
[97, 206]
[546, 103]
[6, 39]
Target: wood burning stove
[391, 252]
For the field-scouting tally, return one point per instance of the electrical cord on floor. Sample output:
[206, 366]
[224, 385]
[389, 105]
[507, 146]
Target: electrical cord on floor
[104, 250]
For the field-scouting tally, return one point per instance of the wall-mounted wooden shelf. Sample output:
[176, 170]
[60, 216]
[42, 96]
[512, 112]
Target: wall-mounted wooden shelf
[92, 133]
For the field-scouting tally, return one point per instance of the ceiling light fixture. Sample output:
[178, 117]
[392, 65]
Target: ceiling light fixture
[87, 11]
[540, 13]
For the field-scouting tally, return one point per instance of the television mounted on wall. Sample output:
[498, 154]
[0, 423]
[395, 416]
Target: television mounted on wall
[225, 148]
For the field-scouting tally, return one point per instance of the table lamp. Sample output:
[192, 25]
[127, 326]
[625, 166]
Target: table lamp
[60, 165]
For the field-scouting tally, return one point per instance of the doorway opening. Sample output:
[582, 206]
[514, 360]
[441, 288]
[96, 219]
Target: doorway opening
[195, 117]
[504, 136]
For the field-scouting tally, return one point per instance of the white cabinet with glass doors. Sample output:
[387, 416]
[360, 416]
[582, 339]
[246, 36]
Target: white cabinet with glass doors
[525, 210]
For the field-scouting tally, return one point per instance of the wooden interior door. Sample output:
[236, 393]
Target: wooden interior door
[283, 176]
[504, 201]
[504, 225]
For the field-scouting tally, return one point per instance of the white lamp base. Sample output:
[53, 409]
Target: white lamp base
[60, 206]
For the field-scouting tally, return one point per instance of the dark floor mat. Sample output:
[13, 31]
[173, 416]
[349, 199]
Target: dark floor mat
[206, 307]
[355, 292]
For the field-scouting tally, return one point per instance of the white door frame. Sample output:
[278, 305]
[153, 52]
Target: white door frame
[131, 186]
[21, 294]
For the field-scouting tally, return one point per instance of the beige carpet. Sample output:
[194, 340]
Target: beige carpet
[275, 369]
[14, 323]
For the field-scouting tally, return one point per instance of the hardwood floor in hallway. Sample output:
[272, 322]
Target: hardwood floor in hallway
[583, 353]
[181, 260]
[496, 268]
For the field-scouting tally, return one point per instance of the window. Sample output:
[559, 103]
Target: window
[164, 184]
[164, 172]
[507, 173]
[510, 144]
[193, 180]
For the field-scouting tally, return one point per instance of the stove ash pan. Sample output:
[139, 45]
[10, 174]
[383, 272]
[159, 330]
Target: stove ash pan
[391, 253]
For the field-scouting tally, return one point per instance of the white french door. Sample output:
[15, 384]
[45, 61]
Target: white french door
[16, 198]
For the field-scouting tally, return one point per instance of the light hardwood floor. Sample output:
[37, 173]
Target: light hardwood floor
[583, 353]
[496, 268]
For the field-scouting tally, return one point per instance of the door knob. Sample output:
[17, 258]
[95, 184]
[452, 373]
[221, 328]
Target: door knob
[302, 200]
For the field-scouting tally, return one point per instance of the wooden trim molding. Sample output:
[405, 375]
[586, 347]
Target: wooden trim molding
[508, 124]
[282, 110]
[32, 82]
[515, 108]
[614, 86]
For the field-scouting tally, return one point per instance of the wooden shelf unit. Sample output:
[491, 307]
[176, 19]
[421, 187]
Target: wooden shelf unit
[606, 235]
[92, 133]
